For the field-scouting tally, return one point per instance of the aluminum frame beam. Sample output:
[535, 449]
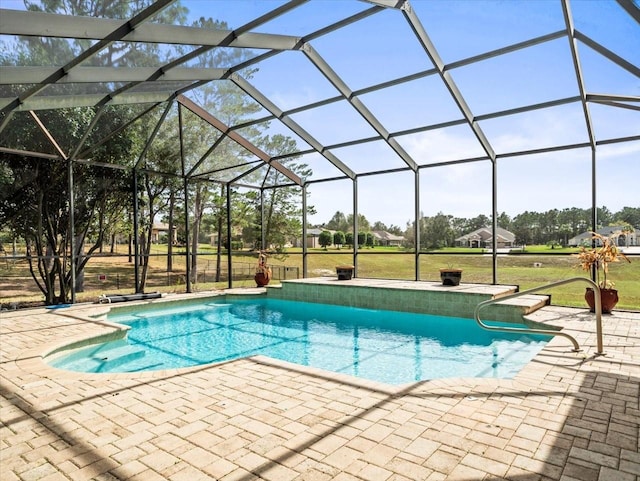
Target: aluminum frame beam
[631, 8]
[90, 100]
[568, 19]
[357, 104]
[48, 136]
[289, 122]
[458, 98]
[35, 75]
[605, 52]
[40, 24]
[115, 35]
[237, 138]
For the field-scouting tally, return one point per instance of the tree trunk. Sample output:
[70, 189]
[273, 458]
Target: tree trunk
[145, 249]
[195, 233]
[142, 247]
[47, 267]
[219, 226]
[79, 257]
[219, 249]
[170, 237]
[267, 231]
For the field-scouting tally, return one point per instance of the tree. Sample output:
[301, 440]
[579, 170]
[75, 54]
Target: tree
[57, 51]
[369, 240]
[338, 222]
[573, 221]
[459, 226]
[101, 194]
[504, 221]
[155, 191]
[36, 201]
[365, 239]
[523, 228]
[230, 106]
[32, 208]
[363, 223]
[394, 229]
[477, 222]
[379, 226]
[409, 233]
[436, 232]
[35, 207]
[348, 238]
[338, 238]
[277, 212]
[604, 216]
[325, 238]
[630, 215]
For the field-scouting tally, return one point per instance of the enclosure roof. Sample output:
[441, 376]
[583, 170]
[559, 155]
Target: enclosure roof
[355, 85]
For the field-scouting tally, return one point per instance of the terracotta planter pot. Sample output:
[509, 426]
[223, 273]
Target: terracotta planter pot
[344, 272]
[450, 277]
[262, 278]
[608, 297]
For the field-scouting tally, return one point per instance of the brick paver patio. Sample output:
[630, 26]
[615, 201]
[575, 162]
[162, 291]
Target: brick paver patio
[566, 416]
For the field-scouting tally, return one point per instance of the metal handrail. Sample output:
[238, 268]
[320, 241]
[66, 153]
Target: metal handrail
[576, 346]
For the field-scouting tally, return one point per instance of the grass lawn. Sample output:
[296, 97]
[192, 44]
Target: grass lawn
[533, 268]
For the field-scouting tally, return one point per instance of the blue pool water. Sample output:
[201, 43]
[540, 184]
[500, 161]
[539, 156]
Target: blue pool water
[386, 346]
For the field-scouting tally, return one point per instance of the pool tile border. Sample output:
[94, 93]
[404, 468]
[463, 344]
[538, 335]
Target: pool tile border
[410, 296]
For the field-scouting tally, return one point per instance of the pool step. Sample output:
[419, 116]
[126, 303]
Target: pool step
[118, 356]
[528, 303]
[513, 309]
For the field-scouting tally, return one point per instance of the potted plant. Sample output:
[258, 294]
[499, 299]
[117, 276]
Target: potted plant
[598, 259]
[263, 271]
[450, 276]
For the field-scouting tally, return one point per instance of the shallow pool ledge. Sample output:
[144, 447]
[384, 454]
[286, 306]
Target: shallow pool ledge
[409, 296]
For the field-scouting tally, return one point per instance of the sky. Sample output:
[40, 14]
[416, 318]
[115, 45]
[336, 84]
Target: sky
[382, 47]
[366, 55]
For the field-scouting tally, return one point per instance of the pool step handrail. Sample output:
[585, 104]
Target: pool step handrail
[548, 332]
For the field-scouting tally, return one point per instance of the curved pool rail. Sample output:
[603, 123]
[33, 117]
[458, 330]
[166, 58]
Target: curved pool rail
[576, 346]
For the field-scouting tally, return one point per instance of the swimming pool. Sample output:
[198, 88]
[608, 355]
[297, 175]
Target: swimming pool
[387, 346]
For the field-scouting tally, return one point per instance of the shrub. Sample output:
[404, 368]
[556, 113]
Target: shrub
[325, 239]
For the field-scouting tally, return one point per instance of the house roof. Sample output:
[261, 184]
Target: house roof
[384, 235]
[315, 231]
[605, 231]
[484, 233]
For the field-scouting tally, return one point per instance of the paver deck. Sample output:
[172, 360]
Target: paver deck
[566, 416]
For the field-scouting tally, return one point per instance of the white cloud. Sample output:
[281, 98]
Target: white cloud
[289, 99]
[443, 144]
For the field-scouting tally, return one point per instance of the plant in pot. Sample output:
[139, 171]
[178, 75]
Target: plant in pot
[263, 271]
[598, 259]
[450, 276]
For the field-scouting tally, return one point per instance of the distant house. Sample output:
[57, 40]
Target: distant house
[313, 236]
[385, 238]
[160, 230]
[621, 238]
[484, 238]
